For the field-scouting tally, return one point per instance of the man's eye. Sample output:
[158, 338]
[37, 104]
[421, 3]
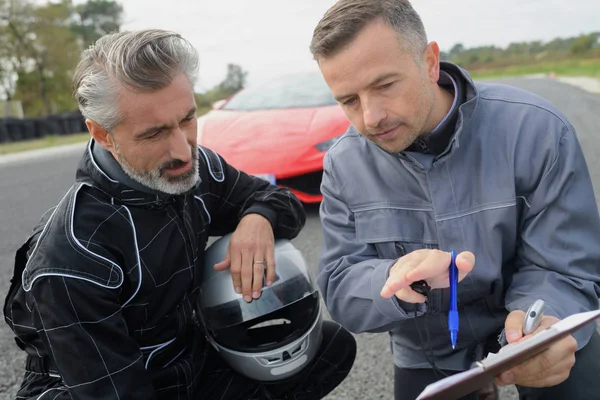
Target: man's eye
[349, 102]
[386, 86]
[155, 134]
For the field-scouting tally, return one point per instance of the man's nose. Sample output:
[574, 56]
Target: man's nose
[373, 114]
[179, 147]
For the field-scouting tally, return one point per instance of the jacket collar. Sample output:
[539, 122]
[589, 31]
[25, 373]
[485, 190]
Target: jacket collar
[104, 172]
[466, 111]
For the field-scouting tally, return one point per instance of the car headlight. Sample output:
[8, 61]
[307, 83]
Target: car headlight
[326, 145]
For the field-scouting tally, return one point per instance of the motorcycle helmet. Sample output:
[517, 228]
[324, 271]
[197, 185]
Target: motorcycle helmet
[275, 336]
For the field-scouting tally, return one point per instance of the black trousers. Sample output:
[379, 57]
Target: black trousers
[330, 368]
[583, 382]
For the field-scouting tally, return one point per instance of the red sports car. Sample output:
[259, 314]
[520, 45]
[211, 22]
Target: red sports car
[279, 131]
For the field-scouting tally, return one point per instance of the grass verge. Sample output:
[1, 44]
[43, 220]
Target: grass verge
[48, 141]
[585, 67]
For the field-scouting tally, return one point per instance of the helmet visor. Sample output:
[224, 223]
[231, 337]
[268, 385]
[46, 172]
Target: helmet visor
[223, 307]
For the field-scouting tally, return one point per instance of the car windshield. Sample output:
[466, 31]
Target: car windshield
[291, 91]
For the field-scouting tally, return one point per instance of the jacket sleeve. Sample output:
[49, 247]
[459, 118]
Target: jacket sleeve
[237, 194]
[351, 275]
[558, 259]
[82, 328]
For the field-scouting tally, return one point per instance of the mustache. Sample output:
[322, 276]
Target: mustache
[172, 164]
[384, 127]
[175, 163]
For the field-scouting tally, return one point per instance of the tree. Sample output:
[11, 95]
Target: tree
[234, 81]
[49, 53]
[456, 50]
[583, 44]
[9, 50]
[96, 18]
[40, 46]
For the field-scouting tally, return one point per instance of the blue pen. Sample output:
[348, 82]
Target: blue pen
[453, 313]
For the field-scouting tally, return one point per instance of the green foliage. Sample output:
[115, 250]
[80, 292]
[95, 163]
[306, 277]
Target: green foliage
[40, 46]
[584, 44]
[518, 55]
[53, 51]
[564, 67]
[95, 19]
[233, 82]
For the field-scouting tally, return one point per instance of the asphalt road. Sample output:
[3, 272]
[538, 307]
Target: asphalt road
[29, 188]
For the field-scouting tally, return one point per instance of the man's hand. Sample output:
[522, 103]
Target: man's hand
[429, 265]
[548, 368]
[250, 253]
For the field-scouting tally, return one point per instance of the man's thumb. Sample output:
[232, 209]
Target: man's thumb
[465, 261]
[513, 327]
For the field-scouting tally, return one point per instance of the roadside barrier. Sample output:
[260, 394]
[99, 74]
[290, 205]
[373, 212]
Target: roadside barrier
[16, 129]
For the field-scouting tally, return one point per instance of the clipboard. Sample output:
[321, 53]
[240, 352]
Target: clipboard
[463, 383]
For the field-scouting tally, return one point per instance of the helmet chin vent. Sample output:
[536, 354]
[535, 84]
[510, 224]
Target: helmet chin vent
[284, 356]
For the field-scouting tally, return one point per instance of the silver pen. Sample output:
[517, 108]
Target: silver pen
[533, 317]
[531, 321]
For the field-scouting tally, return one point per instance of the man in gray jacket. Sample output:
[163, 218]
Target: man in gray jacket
[434, 162]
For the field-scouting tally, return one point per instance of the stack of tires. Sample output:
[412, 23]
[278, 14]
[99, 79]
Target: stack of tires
[16, 129]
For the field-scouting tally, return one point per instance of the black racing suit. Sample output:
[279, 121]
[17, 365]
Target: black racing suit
[103, 292]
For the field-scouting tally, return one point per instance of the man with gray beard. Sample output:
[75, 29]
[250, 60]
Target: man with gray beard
[103, 298]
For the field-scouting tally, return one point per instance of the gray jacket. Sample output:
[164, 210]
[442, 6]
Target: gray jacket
[512, 187]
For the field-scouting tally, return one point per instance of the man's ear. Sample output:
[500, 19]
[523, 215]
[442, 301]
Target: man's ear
[431, 61]
[100, 135]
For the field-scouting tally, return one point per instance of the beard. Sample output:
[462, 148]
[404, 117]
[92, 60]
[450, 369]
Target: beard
[411, 130]
[400, 142]
[157, 179]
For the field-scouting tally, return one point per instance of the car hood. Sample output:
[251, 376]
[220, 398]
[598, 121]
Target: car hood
[260, 141]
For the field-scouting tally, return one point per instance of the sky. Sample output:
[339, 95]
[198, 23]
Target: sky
[271, 37]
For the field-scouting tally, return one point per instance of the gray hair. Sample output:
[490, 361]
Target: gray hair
[144, 60]
[345, 19]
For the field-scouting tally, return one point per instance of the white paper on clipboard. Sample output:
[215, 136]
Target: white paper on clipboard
[463, 383]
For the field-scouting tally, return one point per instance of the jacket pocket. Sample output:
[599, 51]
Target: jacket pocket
[396, 231]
